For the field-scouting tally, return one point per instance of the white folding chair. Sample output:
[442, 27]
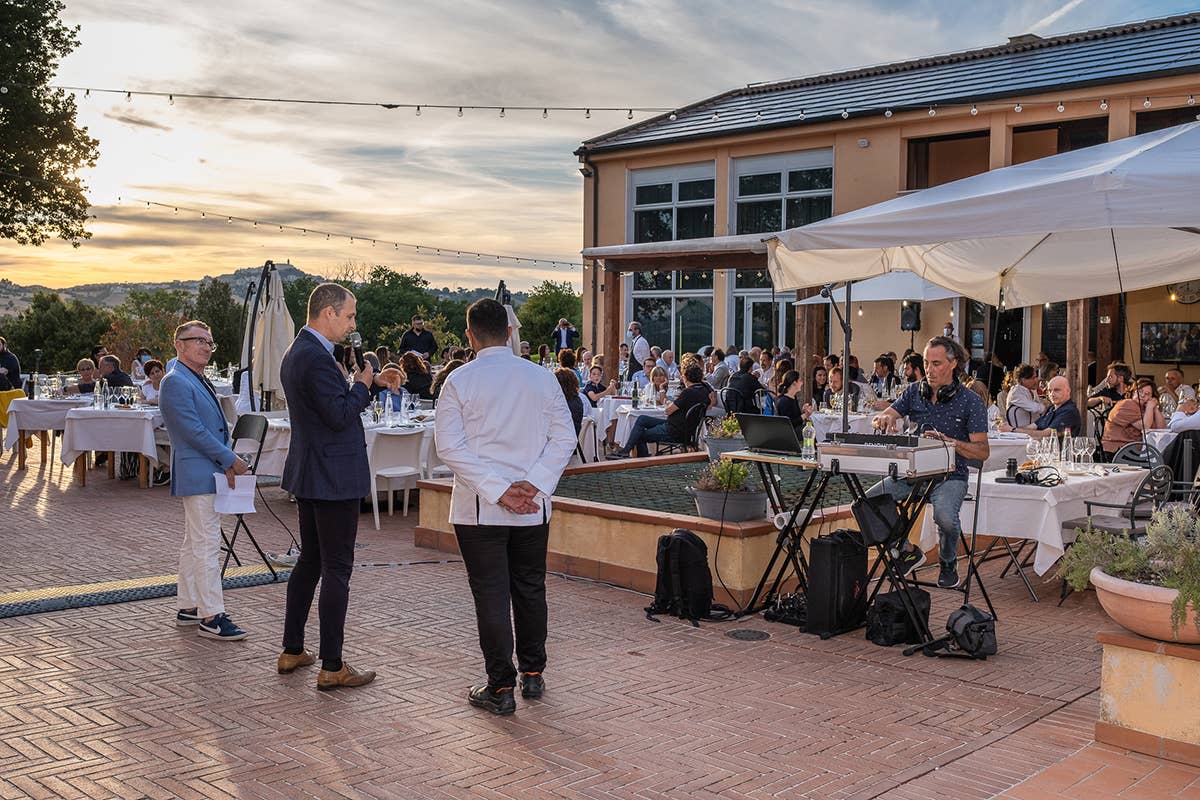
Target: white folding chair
[395, 454]
[585, 444]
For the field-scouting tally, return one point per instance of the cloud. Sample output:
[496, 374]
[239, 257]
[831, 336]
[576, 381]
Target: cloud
[135, 121]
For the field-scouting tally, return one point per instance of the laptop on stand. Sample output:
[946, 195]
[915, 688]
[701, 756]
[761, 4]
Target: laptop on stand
[768, 434]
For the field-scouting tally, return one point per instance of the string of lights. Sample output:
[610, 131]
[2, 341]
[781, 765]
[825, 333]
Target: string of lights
[972, 107]
[418, 108]
[435, 251]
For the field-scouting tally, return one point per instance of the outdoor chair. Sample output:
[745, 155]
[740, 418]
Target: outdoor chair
[252, 428]
[760, 399]
[1138, 454]
[434, 466]
[1130, 518]
[395, 454]
[586, 442]
[1180, 456]
[733, 401]
[691, 439]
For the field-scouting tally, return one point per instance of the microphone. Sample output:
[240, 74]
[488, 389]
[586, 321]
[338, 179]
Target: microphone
[355, 340]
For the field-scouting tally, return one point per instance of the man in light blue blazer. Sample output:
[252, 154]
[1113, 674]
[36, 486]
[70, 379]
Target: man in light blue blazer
[200, 447]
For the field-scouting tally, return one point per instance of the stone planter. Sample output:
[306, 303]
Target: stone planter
[737, 506]
[718, 446]
[1143, 609]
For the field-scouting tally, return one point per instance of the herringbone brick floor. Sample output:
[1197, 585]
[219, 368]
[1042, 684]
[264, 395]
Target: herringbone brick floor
[114, 701]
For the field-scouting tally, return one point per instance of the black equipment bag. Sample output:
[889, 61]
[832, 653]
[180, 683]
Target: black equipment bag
[974, 632]
[877, 518]
[837, 580]
[888, 623]
[683, 587]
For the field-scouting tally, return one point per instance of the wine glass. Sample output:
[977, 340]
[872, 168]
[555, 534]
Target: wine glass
[1032, 449]
[1080, 445]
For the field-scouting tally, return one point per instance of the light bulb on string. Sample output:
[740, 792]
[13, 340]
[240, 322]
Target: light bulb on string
[460, 111]
[1173, 297]
[716, 116]
[974, 110]
[229, 220]
[888, 113]
[757, 116]
[418, 111]
[501, 112]
[845, 114]
[545, 113]
[1191, 99]
[587, 113]
[1146, 104]
[860, 309]
[129, 97]
[171, 99]
[1017, 108]
[802, 115]
[1104, 104]
[932, 111]
[630, 114]
[672, 116]
[1061, 108]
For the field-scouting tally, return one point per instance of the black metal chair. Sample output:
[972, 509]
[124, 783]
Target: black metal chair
[254, 428]
[1138, 454]
[1151, 493]
[760, 399]
[692, 421]
[733, 401]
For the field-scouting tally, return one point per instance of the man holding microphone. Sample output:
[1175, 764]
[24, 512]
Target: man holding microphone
[327, 472]
[507, 449]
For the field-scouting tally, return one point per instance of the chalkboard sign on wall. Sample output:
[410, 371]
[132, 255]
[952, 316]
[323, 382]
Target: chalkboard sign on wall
[1054, 332]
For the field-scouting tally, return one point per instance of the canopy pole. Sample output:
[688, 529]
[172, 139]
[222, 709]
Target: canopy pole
[251, 323]
[846, 330]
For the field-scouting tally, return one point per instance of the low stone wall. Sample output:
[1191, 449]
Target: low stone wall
[1150, 696]
[617, 544]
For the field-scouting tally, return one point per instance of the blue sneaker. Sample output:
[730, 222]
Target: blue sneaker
[222, 627]
[186, 617]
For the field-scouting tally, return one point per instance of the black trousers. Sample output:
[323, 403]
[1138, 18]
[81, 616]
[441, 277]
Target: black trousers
[506, 568]
[328, 529]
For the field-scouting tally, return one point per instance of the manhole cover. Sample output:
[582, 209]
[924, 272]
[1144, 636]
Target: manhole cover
[748, 635]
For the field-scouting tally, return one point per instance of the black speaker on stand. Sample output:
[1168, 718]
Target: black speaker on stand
[910, 320]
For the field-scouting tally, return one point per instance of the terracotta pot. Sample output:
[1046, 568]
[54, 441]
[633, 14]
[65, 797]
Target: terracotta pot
[1143, 609]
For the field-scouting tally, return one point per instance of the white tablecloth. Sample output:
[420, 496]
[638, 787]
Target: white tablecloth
[279, 437]
[223, 387]
[1160, 438]
[605, 411]
[1003, 447]
[112, 430]
[626, 415]
[39, 415]
[1033, 512]
[824, 423]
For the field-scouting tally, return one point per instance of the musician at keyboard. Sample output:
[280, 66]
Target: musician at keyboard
[943, 408]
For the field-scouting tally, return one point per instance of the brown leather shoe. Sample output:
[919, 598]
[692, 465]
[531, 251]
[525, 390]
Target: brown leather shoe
[288, 662]
[346, 676]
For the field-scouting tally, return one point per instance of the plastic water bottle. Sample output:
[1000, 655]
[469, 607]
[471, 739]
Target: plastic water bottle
[809, 450]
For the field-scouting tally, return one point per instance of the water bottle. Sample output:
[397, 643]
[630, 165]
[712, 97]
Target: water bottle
[102, 392]
[1067, 452]
[387, 410]
[809, 450]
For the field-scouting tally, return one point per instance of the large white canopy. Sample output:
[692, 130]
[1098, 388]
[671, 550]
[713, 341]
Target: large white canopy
[893, 286]
[1115, 217]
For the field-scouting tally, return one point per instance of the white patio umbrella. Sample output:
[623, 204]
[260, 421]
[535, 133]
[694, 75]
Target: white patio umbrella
[514, 338]
[1100, 220]
[274, 331]
[893, 286]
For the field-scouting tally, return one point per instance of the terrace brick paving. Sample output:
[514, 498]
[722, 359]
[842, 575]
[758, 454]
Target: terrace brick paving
[114, 701]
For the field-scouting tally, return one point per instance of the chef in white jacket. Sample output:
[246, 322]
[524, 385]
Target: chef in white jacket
[503, 427]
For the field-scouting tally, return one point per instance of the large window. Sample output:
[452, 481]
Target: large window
[935, 160]
[773, 193]
[672, 203]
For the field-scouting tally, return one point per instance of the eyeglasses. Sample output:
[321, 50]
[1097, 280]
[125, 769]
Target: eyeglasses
[209, 343]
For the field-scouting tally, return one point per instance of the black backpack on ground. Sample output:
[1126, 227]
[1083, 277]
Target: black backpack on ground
[684, 585]
[888, 623]
[974, 632]
[837, 583]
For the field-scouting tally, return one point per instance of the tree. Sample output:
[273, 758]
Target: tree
[147, 319]
[548, 302]
[64, 332]
[389, 298]
[295, 294]
[216, 305]
[41, 148]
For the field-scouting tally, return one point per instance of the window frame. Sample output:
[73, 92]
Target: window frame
[781, 164]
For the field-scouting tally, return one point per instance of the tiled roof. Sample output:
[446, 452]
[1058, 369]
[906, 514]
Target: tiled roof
[1025, 65]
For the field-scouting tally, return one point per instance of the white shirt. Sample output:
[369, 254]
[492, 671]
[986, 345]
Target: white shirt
[502, 419]
[1181, 422]
[640, 349]
[1030, 408]
[671, 369]
[149, 393]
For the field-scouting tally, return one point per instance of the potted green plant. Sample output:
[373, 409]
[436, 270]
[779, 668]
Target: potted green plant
[724, 491]
[1149, 586]
[723, 436]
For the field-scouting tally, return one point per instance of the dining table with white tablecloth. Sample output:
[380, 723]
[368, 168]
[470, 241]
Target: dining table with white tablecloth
[826, 422]
[1020, 511]
[1003, 446]
[278, 439]
[40, 415]
[114, 430]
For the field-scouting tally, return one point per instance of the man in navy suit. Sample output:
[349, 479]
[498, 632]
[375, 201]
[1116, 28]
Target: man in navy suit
[326, 470]
[199, 449]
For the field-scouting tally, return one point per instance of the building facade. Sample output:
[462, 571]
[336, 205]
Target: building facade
[774, 156]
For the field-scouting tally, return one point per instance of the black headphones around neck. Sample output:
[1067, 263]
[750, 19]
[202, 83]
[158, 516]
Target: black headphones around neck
[944, 393]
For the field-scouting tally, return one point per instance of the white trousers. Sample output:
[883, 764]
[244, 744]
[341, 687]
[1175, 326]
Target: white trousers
[199, 557]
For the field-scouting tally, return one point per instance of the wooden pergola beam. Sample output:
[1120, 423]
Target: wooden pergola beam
[692, 262]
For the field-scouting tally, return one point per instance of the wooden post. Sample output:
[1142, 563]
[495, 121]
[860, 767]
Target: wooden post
[811, 335]
[112, 465]
[143, 471]
[1076, 366]
[81, 469]
[21, 449]
[613, 331]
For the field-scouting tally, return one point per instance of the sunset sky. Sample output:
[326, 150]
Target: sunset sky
[478, 182]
